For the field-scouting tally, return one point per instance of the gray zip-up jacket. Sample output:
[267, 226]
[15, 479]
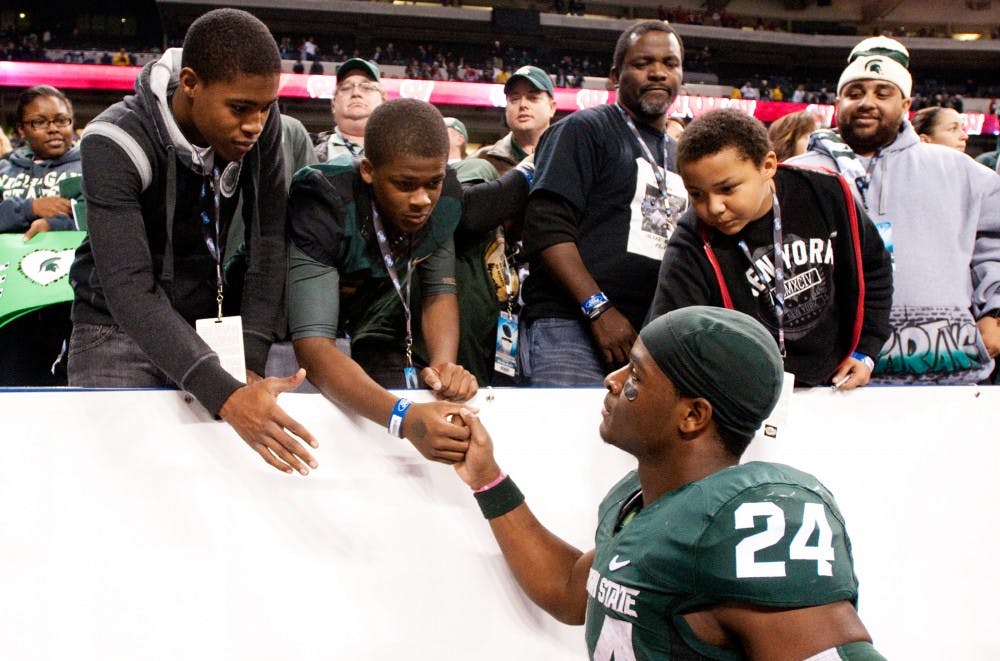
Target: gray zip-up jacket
[143, 183]
[22, 180]
[938, 212]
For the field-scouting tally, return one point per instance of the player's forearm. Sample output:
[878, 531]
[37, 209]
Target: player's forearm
[439, 324]
[550, 571]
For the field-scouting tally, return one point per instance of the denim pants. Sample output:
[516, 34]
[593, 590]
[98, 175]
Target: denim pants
[560, 353]
[104, 356]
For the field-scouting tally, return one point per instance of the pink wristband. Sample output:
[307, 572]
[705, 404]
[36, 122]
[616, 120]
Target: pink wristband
[500, 478]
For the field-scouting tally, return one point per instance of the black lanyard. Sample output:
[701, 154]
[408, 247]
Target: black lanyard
[658, 172]
[210, 228]
[402, 291]
[354, 148]
[779, 271]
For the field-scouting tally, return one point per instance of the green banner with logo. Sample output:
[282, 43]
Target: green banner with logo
[35, 273]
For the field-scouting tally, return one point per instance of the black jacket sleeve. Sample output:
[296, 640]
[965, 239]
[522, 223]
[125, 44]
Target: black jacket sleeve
[686, 276]
[488, 205]
[124, 265]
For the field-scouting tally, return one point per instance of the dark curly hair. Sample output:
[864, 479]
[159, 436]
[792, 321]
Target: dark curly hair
[223, 43]
[32, 93]
[720, 129]
[405, 126]
[637, 30]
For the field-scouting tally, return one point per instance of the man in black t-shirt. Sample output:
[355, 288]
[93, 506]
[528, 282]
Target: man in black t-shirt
[602, 207]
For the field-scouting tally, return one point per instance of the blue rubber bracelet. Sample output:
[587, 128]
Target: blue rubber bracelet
[864, 358]
[399, 412]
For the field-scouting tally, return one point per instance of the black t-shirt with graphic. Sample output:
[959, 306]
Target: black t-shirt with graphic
[592, 160]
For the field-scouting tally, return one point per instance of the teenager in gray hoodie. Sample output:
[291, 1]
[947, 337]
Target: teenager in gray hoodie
[166, 168]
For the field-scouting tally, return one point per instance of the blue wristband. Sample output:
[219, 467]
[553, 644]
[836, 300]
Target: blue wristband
[396, 417]
[864, 358]
[591, 305]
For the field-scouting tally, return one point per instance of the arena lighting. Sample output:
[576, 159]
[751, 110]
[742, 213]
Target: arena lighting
[441, 93]
[966, 36]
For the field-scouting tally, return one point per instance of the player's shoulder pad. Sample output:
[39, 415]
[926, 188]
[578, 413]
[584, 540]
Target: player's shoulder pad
[775, 537]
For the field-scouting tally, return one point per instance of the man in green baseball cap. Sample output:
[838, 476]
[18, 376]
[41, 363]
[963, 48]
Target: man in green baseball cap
[458, 139]
[489, 267]
[697, 556]
[530, 108]
[358, 92]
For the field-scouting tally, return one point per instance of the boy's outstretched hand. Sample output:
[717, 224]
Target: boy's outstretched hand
[437, 431]
[254, 413]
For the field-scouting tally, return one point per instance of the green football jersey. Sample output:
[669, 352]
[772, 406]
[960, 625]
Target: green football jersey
[758, 533]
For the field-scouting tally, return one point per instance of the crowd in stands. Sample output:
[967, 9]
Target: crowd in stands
[719, 18]
[494, 64]
[929, 93]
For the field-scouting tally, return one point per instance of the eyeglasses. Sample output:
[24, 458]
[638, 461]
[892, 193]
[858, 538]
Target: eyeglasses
[40, 123]
[348, 88]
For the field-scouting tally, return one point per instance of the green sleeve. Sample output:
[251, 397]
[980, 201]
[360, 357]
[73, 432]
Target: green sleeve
[858, 651]
[313, 297]
[776, 545]
[437, 271]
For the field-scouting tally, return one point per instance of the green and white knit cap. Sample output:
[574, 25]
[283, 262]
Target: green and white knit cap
[879, 58]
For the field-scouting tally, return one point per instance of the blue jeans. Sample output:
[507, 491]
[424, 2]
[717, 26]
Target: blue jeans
[560, 353]
[106, 357]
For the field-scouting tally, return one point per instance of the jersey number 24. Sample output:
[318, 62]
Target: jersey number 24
[813, 519]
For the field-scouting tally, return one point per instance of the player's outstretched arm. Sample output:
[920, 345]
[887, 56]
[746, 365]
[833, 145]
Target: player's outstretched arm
[550, 571]
[254, 413]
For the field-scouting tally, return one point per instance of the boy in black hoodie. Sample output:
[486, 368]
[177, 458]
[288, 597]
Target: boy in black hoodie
[755, 231]
[165, 169]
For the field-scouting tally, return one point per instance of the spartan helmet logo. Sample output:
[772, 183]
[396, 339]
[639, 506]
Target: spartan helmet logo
[875, 65]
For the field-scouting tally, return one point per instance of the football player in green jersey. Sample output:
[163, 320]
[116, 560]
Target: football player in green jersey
[697, 556]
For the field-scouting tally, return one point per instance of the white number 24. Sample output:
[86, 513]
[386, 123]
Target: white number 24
[813, 518]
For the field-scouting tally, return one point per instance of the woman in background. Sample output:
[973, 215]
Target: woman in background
[30, 175]
[31, 346]
[940, 126]
[790, 134]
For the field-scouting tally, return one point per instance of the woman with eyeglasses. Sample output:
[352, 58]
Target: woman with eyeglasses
[30, 176]
[31, 346]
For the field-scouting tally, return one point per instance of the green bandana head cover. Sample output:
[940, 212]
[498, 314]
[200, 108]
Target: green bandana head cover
[723, 355]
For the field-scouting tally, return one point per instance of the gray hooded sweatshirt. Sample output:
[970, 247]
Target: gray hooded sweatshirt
[143, 183]
[938, 212]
